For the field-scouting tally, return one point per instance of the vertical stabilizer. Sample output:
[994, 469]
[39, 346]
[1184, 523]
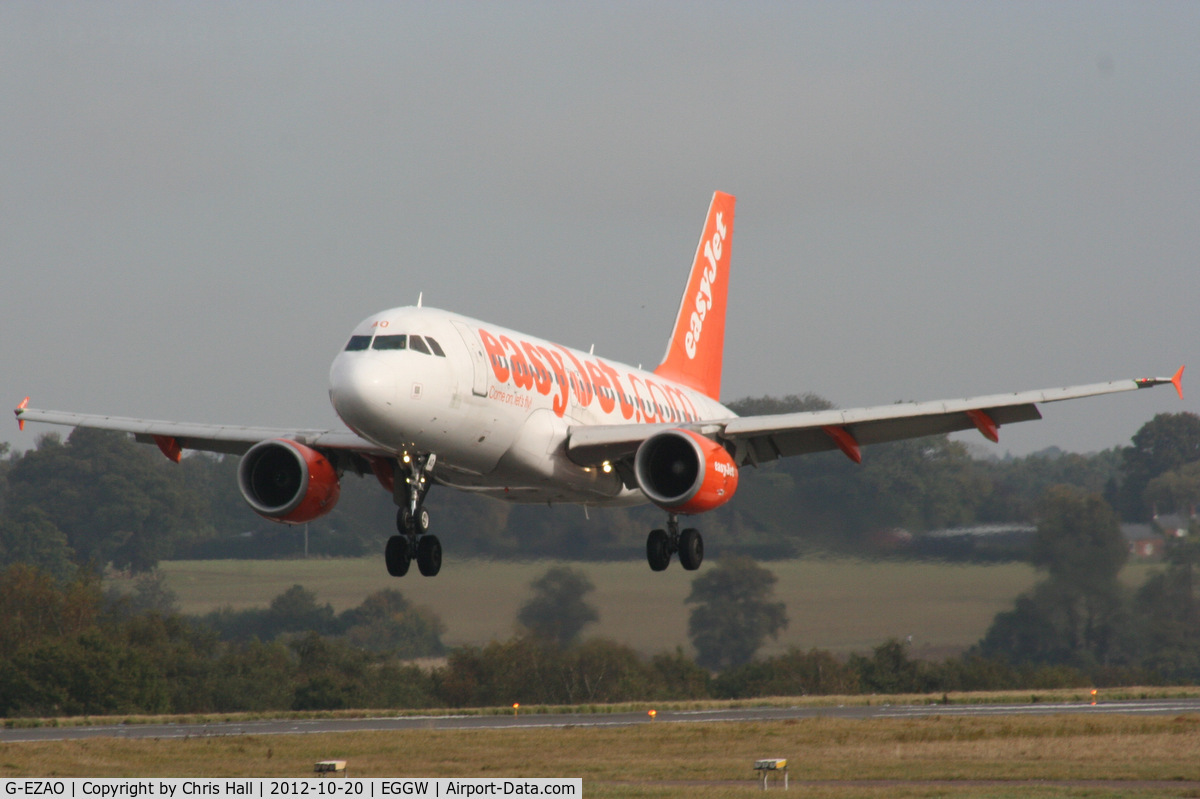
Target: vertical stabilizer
[697, 344]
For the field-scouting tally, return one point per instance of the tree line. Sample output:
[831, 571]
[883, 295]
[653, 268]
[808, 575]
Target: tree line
[98, 497]
[68, 648]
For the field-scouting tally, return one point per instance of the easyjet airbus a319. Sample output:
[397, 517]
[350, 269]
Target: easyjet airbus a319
[433, 398]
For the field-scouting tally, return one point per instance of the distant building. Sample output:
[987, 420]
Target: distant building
[1144, 540]
[1173, 525]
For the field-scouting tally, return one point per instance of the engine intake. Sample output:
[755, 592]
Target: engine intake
[684, 472]
[286, 481]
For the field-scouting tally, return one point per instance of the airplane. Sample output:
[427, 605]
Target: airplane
[432, 397]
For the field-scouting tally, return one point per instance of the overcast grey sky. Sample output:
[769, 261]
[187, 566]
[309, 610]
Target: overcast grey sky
[198, 201]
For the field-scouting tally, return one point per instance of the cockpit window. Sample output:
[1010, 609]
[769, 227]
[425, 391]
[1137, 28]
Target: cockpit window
[358, 343]
[389, 342]
[437, 348]
[418, 344]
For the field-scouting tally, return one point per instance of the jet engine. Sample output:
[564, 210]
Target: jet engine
[285, 481]
[684, 472]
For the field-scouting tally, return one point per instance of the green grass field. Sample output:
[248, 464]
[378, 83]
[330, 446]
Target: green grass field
[842, 605]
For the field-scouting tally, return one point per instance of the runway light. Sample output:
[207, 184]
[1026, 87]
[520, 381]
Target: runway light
[653, 714]
[1093, 696]
[516, 705]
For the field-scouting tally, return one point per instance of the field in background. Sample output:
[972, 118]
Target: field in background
[838, 604]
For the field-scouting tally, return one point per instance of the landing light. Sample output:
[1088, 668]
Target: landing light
[607, 467]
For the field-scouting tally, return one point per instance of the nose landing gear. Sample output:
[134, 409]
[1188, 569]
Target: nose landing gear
[412, 520]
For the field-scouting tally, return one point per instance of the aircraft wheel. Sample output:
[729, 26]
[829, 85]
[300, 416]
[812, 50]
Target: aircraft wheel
[406, 523]
[658, 550]
[429, 555]
[397, 556]
[691, 549]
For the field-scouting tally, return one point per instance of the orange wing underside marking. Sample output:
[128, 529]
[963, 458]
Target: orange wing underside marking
[170, 447]
[986, 425]
[845, 442]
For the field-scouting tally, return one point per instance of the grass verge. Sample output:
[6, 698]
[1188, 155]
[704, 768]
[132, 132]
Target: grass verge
[936, 756]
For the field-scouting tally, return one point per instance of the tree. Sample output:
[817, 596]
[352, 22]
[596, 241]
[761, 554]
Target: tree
[1018, 483]
[1163, 444]
[114, 500]
[34, 607]
[387, 622]
[558, 612]
[1078, 539]
[1168, 624]
[1078, 615]
[792, 403]
[733, 614]
[29, 536]
[296, 610]
[1176, 491]
[890, 670]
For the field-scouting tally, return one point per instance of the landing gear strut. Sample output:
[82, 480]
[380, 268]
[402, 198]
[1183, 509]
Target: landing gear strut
[662, 544]
[412, 520]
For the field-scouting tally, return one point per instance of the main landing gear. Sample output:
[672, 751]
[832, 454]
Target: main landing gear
[662, 544]
[412, 520]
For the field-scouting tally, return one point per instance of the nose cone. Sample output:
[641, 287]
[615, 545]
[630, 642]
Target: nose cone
[363, 392]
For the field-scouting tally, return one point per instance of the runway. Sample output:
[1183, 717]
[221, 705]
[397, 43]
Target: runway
[501, 722]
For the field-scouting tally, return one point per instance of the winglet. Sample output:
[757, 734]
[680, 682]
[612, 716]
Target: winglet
[1175, 380]
[20, 408]
[695, 350]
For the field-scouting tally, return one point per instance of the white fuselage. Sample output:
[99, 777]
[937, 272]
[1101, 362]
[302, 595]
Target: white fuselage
[495, 405]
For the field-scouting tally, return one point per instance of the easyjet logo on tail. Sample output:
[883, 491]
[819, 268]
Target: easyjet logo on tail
[695, 352]
[704, 296]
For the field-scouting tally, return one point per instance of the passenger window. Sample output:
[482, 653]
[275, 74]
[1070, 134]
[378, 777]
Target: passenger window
[418, 344]
[389, 342]
[358, 343]
[437, 348]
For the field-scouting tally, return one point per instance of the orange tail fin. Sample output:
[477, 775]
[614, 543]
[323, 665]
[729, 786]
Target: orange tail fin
[697, 345]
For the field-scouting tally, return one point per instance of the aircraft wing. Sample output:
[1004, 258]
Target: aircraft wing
[228, 439]
[756, 439]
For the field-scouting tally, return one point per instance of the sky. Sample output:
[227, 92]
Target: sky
[199, 201]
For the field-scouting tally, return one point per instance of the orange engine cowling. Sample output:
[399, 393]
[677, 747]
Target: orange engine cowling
[684, 472]
[286, 481]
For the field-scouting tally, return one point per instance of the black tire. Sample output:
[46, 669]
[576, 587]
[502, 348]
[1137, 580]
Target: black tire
[429, 555]
[396, 556]
[691, 549]
[658, 550]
